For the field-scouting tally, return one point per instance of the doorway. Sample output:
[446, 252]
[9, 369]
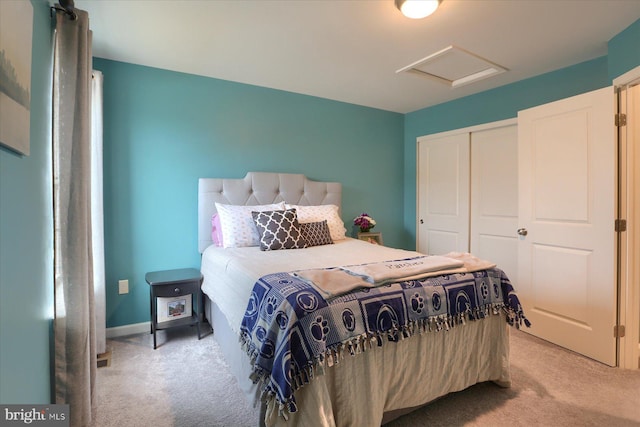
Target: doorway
[628, 90]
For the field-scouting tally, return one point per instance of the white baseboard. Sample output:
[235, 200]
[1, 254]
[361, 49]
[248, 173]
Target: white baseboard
[121, 331]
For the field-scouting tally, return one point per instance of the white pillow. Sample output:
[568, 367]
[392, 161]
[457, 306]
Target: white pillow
[320, 213]
[238, 228]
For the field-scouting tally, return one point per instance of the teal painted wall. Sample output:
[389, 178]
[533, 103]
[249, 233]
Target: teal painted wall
[493, 105]
[26, 242]
[163, 130]
[624, 51]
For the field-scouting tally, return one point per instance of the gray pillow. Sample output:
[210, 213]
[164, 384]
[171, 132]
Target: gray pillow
[316, 233]
[279, 230]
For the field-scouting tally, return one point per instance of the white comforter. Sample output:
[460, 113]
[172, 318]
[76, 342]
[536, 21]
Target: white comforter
[230, 273]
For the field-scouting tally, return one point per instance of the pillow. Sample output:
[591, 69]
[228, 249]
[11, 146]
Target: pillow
[216, 230]
[236, 222]
[320, 213]
[279, 230]
[316, 233]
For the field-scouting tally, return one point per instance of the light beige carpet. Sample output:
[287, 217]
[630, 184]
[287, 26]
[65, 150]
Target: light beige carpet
[186, 383]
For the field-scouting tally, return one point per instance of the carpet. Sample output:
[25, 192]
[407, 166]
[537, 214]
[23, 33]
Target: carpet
[186, 383]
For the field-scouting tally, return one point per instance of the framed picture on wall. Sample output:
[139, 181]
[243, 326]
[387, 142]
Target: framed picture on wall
[16, 33]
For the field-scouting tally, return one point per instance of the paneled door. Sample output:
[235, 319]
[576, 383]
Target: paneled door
[443, 194]
[494, 197]
[567, 201]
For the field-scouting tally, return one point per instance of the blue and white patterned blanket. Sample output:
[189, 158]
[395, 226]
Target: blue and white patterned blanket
[291, 332]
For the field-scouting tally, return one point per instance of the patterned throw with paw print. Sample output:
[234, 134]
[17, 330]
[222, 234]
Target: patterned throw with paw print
[292, 333]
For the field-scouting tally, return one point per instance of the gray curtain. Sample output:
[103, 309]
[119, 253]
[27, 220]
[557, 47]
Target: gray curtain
[74, 324]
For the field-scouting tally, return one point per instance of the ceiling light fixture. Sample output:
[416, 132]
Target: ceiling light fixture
[417, 9]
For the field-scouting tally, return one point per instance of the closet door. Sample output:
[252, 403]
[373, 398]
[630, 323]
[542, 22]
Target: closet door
[443, 194]
[494, 197]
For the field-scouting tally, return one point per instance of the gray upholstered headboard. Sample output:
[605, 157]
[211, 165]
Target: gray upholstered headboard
[260, 188]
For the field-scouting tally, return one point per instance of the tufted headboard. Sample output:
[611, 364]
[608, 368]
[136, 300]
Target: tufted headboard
[260, 188]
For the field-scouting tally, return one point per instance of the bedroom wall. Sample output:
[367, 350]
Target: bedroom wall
[163, 130]
[26, 230]
[624, 51]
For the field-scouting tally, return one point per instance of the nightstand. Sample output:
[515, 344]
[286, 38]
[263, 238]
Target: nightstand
[176, 299]
[371, 237]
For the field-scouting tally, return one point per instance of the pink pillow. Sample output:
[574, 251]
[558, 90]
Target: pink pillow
[216, 230]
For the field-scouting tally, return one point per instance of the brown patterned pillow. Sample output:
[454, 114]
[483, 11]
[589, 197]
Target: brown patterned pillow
[316, 233]
[279, 230]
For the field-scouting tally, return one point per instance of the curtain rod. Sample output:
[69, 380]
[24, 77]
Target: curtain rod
[67, 7]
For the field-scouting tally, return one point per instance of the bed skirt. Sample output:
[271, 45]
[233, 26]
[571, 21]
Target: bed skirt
[472, 353]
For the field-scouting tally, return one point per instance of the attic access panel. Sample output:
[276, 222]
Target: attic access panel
[454, 67]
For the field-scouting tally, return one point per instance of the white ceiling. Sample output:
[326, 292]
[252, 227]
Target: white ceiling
[349, 50]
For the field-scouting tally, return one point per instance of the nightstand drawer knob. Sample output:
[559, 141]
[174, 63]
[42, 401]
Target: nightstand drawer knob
[176, 290]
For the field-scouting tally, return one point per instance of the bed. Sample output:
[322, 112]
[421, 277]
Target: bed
[369, 378]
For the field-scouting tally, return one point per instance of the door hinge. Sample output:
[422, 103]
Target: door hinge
[621, 119]
[620, 225]
[618, 331]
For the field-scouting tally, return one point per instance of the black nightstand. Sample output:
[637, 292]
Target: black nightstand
[170, 285]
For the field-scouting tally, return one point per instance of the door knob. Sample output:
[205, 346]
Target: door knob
[522, 231]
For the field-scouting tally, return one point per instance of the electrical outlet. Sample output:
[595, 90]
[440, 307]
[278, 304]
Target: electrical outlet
[123, 287]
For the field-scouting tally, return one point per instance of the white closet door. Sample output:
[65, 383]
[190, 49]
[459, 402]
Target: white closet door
[443, 196]
[494, 197]
[567, 192]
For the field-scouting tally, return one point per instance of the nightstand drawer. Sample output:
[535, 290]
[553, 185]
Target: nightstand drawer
[176, 289]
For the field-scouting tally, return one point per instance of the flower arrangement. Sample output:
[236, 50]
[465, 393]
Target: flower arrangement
[365, 222]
